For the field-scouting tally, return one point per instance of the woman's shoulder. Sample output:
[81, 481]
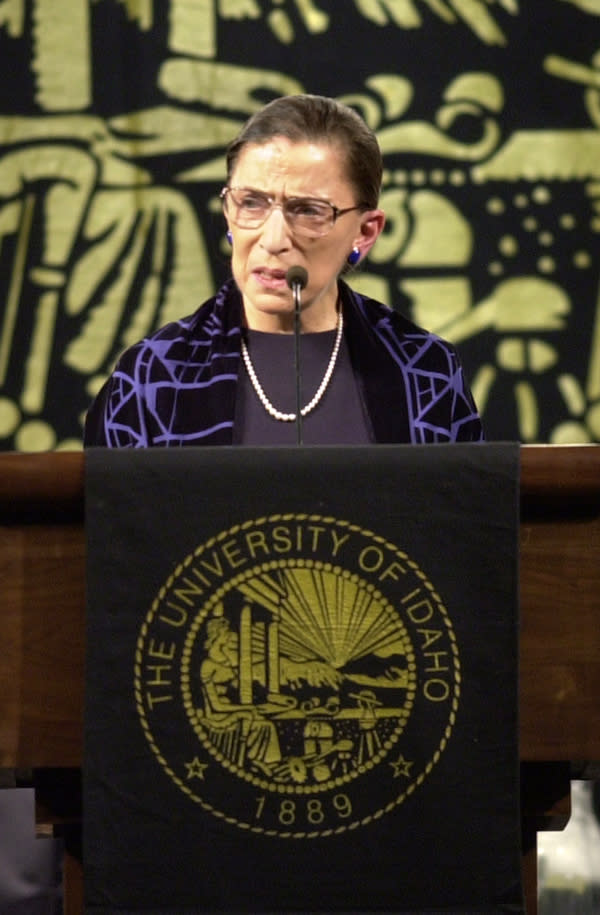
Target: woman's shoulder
[182, 337]
[399, 331]
[182, 355]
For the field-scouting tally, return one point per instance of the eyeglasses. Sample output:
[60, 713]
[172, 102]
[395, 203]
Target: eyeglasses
[249, 209]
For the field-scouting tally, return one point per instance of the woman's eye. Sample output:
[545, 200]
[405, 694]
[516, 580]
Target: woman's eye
[308, 208]
[254, 202]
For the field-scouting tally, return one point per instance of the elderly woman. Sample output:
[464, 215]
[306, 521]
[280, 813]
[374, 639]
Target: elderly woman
[303, 182]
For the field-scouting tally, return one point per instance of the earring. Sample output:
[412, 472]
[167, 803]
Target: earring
[354, 256]
[229, 236]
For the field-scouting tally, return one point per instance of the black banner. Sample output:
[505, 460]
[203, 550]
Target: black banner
[302, 680]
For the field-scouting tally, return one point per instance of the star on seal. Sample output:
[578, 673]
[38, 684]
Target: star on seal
[401, 767]
[195, 768]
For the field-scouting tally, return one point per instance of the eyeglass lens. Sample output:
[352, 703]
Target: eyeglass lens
[251, 208]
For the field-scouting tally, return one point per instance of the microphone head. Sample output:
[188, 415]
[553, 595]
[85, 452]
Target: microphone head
[296, 276]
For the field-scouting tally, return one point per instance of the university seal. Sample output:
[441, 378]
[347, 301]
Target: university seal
[297, 676]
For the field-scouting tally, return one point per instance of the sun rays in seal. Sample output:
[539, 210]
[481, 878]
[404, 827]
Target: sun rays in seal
[329, 614]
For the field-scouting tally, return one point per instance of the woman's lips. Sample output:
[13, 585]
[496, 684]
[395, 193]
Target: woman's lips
[270, 279]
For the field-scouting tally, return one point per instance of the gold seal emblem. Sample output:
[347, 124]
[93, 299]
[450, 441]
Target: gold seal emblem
[297, 676]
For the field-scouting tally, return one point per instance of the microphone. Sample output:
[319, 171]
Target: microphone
[297, 278]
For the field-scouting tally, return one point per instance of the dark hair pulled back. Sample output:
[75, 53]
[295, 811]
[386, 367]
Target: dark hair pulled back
[316, 118]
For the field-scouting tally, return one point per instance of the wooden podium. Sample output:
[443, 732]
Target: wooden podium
[42, 568]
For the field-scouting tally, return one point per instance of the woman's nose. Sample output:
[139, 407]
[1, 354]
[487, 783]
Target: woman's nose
[275, 231]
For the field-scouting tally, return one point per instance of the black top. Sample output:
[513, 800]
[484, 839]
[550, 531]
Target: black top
[338, 418]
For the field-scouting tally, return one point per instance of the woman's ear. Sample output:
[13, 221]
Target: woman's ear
[371, 226]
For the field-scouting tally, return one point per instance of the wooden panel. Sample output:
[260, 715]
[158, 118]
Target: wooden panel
[560, 603]
[42, 569]
[11, 639]
[41, 632]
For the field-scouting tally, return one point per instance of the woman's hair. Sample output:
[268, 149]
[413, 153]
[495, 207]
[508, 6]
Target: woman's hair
[318, 119]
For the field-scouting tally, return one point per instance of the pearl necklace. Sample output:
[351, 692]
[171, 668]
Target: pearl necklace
[291, 417]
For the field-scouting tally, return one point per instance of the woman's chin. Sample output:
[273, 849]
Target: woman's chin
[268, 312]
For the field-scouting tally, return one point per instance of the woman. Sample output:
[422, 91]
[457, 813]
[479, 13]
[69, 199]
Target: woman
[303, 182]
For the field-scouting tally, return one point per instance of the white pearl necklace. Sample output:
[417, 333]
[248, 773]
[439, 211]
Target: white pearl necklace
[291, 417]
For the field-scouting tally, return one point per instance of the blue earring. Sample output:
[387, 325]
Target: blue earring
[354, 256]
[229, 236]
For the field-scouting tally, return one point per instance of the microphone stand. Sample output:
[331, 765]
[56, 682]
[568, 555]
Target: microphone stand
[297, 278]
[296, 287]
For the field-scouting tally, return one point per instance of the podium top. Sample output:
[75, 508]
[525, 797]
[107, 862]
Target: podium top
[56, 479]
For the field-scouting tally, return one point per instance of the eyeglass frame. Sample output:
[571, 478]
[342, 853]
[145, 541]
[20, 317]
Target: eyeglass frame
[336, 211]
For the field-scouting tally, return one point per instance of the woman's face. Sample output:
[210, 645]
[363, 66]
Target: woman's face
[261, 256]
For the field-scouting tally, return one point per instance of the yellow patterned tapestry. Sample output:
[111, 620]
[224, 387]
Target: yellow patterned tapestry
[114, 118]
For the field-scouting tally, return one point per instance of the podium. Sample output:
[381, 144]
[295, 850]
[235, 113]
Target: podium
[42, 558]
